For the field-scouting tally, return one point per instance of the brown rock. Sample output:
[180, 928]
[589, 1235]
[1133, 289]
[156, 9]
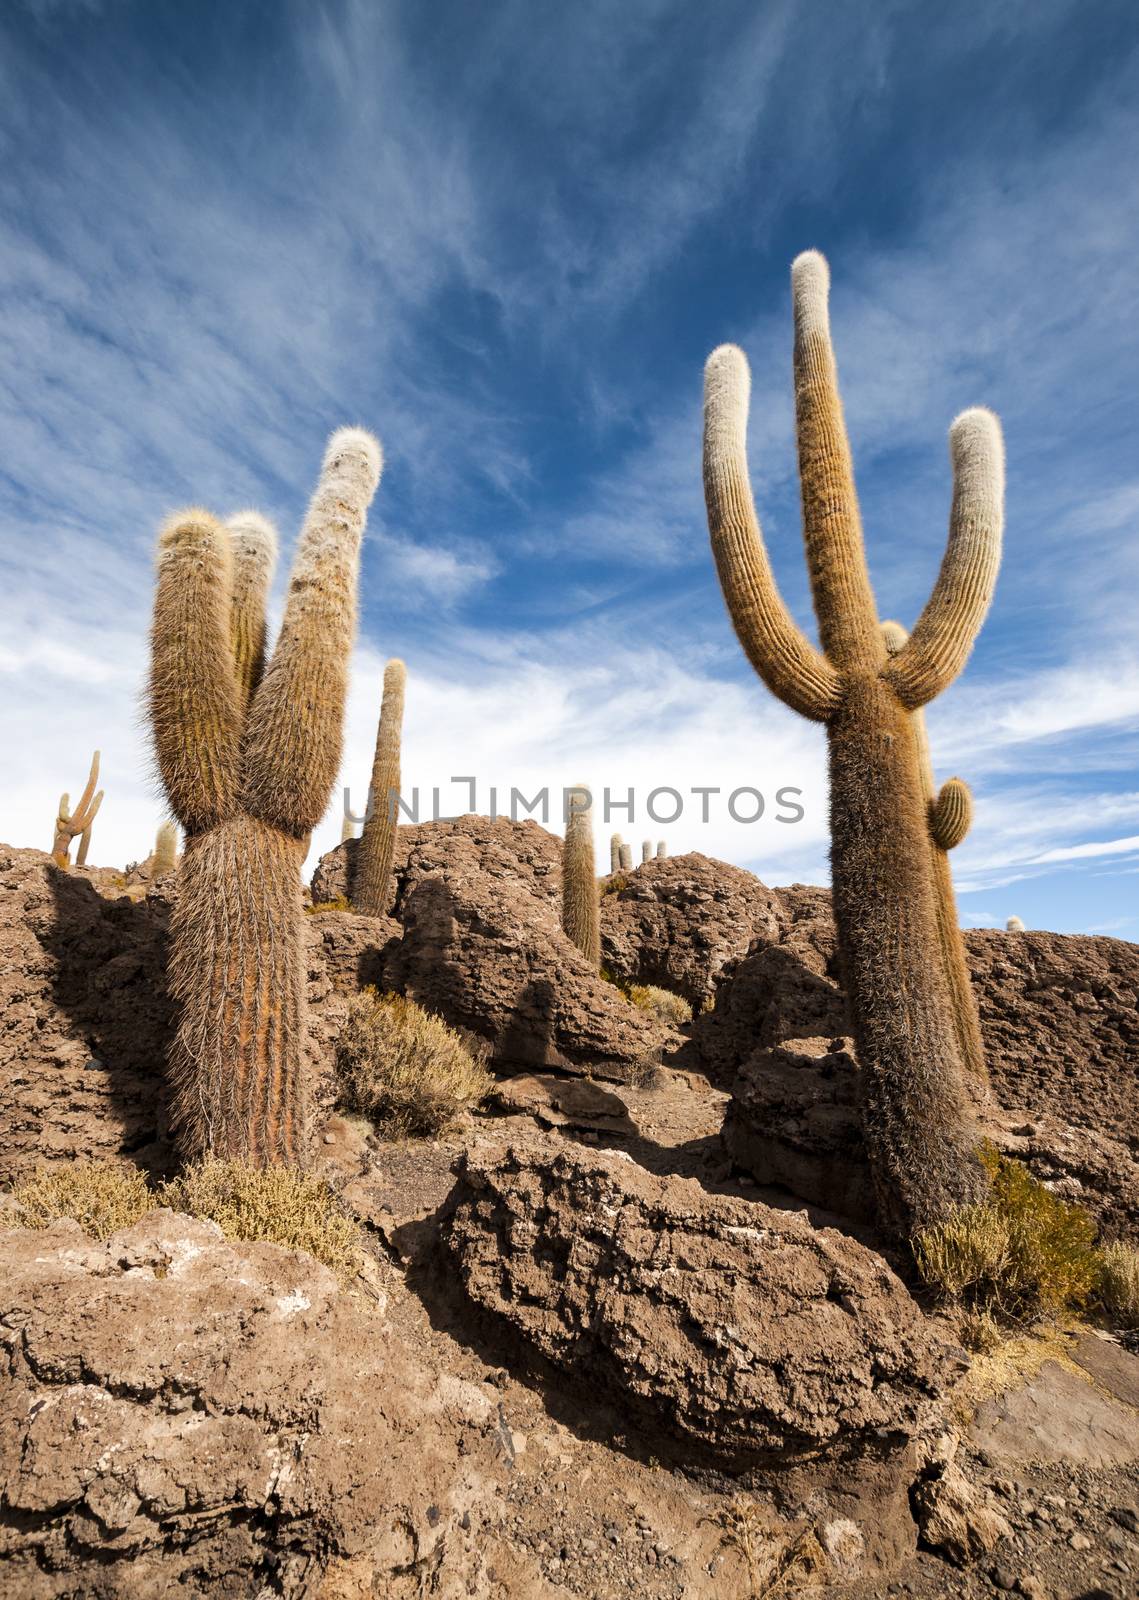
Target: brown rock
[188, 1415]
[680, 919]
[955, 1518]
[736, 1327]
[1056, 1416]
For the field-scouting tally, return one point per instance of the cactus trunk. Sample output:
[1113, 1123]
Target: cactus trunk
[372, 878]
[581, 907]
[918, 1124]
[237, 971]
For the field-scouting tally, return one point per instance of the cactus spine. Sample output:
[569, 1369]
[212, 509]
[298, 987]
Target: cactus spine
[626, 858]
[248, 757]
[919, 1129]
[662, 851]
[165, 857]
[77, 824]
[372, 886]
[615, 842]
[581, 910]
[950, 814]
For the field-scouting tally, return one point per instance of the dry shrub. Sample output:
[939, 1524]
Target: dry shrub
[273, 1204]
[404, 1068]
[661, 1004]
[102, 1196]
[1118, 1288]
[613, 884]
[1020, 1254]
[318, 906]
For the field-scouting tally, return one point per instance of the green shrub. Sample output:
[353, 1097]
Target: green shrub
[661, 1004]
[273, 1204]
[613, 884]
[1118, 1287]
[404, 1068]
[102, 1196]
[1020, 1254]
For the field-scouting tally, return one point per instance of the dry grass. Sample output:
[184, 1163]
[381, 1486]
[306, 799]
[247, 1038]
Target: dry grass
[1020, 1254]
[102, 1196]
[328, 905]
[613, 884]
[273, 1204]
[776, 1558]
[1118, 1288]
[661, 1004]
[404, 1068]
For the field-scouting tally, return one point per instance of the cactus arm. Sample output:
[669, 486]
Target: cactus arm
[372, 876]
[294, 729]
[832, 525]
[84, 846]
[781, 654]
[944, 633]
[254, 541]
[76, 824]
[951, 814]
[194, 710]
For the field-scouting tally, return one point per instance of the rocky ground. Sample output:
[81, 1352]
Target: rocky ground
[592, 1351]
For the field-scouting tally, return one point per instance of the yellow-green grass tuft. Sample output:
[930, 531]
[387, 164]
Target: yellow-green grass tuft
[404, 1068]
[1017, 1255]
[273, 1204]
[102, 1196]
[661, 1004]
[1118, 1288]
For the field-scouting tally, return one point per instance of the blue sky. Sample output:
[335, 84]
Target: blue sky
[505, 237]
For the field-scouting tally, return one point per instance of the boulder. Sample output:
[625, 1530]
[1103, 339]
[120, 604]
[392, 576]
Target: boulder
[739, 1329]
[676, 921]
[184, 1414]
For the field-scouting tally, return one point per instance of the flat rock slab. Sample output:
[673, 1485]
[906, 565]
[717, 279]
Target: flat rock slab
[1112, 1367]
[1056, 1417]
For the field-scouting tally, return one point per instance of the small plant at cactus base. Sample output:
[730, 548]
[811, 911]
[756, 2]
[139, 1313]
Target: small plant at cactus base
[1020, 1254]
[101, 1196]
[404, 1069]
[661, 1004]
[274, 1204]
[1118, 1287]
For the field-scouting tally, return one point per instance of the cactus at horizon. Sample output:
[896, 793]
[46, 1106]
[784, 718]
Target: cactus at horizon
[248, 753]
[1015, 925]
[626, 861]
[646, 851]
[950, 815]
[165, 857]
[581, 903]
[662, 851]
[77, 824]
[920, 1133]
[615, 843]
[372, 886]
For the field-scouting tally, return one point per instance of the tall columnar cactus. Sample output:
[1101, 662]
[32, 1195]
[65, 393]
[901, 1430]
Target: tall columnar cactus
[950, 813]
[165, 857]
[581, 911]
[626, 861]
[646, 850]
[77, 824]
[248, 756]
[372, 881]
[615, 843]
[918, 1125]
[662, 850]
[347, 828]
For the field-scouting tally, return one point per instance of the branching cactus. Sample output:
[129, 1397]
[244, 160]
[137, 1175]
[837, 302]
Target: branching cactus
[248, 754]
[581, 910]
[950, 813]
[615, 842]
[919, 1129]
[165, 857]
[77, 824]
[372, 885]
